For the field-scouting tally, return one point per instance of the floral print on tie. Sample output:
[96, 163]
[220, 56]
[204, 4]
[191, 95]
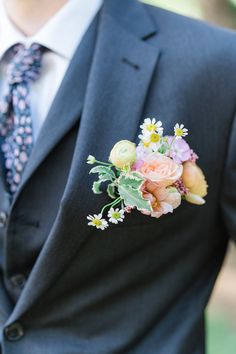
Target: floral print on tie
[15, 115]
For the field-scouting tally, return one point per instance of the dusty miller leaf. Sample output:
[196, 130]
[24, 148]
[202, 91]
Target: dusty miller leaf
[129, 189]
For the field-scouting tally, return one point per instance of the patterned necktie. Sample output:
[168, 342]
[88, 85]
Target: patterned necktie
[16, 128]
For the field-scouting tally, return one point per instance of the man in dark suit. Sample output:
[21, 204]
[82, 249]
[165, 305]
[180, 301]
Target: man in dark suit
[141, 286]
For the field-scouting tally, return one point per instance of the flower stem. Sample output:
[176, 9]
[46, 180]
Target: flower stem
[170, 145]
[103, 163]
[115, 202]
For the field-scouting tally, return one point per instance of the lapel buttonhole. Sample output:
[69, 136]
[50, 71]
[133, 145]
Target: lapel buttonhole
[130, 63]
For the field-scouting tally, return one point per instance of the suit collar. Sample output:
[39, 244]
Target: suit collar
[132, 16]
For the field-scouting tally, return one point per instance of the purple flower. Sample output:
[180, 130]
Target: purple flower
[180, 150]
[141, 154]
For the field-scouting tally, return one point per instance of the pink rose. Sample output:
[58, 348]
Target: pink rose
[163, 200]
[161, 169]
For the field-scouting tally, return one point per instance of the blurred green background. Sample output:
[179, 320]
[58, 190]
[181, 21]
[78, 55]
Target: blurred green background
[221, 312]
[187, 7]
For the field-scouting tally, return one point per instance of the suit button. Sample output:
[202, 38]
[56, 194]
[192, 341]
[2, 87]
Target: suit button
[3, 219]
[18, 281]
[14, 332]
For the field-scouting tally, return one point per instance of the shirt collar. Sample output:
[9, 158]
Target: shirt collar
[61, 34]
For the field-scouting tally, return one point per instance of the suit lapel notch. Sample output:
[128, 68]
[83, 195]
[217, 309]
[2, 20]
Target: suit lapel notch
[133, 16]
[119, 81]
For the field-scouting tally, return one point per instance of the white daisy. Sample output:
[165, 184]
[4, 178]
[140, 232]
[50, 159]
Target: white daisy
[97, 221]
[151, 140]
[180, 131]
[116, 215]
[150, 125]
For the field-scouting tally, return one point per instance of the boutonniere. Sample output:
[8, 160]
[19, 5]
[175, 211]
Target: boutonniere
[153, 177]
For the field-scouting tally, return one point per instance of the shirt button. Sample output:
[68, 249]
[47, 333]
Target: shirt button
[14, 332]
[18, 281]
[3, 219]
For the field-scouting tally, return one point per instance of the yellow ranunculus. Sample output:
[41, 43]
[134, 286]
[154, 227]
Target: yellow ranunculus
[123, 154]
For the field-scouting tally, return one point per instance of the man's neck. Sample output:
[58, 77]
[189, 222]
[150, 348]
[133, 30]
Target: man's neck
[29, 16]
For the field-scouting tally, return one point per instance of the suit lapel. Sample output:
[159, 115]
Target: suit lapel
[118, 84]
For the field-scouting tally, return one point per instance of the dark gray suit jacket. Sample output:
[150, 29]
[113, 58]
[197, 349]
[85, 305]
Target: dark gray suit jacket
[141, 286]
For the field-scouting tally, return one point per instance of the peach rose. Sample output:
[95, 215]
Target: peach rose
[195, 181]
[163, 200]
[161, 169]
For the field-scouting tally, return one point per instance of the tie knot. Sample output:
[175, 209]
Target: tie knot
[25, 65]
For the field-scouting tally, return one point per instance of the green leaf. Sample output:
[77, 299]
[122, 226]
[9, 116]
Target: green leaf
[96, 187]
[129, 190]
[136, 175]
[163, 149]
[103, 170]
[133, 179]
[105, 177]
[111, 191]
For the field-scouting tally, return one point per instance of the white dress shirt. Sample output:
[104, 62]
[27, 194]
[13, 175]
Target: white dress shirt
[61, 35]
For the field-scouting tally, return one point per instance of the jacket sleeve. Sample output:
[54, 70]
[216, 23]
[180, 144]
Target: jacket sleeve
[228, 197]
